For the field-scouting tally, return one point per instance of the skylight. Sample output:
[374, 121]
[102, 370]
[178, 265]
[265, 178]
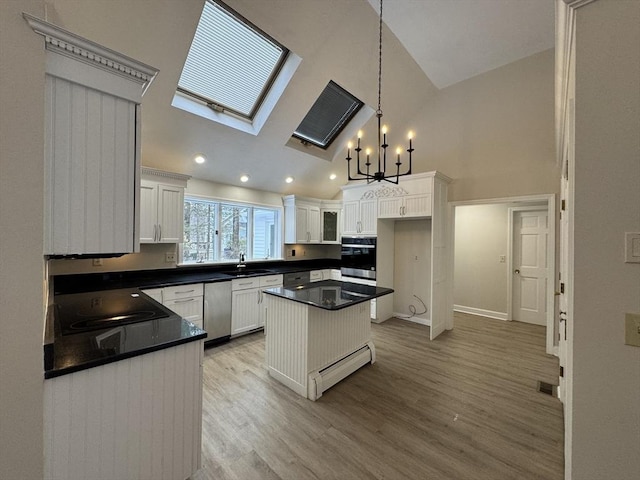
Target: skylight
[333, 109]
[231, 63]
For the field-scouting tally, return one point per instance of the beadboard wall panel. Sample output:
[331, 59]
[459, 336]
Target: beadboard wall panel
[138, 418]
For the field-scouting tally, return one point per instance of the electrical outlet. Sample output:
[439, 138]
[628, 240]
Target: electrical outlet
[503, 258]
[632, 329]
[97, 262]
[170, 257]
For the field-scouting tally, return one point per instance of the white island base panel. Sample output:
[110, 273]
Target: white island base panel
[136, 418]
[310, 349]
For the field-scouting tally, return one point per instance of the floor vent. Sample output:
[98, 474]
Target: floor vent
[548, 388]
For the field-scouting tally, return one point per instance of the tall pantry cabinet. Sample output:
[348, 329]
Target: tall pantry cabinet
[92, 144]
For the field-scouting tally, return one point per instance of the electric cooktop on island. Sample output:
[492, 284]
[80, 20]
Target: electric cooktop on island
[83, 312]
[95, 328]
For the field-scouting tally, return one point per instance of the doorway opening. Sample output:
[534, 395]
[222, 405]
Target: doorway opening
[504, 254]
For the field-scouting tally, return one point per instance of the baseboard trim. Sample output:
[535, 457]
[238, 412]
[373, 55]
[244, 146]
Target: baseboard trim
[420, 320]
[480, 311]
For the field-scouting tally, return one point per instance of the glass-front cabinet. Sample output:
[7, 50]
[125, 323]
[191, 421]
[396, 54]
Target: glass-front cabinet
[330, 221]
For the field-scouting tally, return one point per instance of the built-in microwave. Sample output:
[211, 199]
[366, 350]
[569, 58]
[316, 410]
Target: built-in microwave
[358, 257]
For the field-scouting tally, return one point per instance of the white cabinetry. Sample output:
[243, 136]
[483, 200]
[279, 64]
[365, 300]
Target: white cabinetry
[319, 275]
[161, 206]
[330, 221]
[185, 300]
[140, 417]
[92, 144]
[410, 198]
[311, 220]
[359, 210]
[301, 220]
[247, 307]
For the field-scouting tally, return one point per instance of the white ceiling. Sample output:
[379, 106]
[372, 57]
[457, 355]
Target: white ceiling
[453, 40]
[450, 40]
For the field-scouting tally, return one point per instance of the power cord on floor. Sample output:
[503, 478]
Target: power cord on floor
[414, 312]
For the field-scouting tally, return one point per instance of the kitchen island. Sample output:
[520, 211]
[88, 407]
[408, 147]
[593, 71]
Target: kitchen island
[318, 334]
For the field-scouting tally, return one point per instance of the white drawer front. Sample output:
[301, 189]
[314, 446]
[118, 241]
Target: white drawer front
[183, 291]
[244, 283]
[316, 275]
[271, 280]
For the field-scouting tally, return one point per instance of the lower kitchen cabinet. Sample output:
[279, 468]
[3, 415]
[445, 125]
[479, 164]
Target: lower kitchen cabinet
[140, 417]
[186, 300]
[247, 307]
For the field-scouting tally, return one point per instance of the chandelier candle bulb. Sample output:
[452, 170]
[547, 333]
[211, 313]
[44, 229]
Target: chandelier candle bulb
[382, 138]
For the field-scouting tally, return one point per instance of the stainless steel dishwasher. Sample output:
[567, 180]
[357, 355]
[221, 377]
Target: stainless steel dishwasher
[217, 312]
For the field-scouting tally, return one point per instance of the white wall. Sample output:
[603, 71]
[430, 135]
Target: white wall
[21, 233]
[412, 266]
[494, 133]
[480, 280]
[606, 373]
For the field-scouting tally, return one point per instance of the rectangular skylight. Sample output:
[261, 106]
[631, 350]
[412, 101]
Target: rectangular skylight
[231, 63]
[333, 109]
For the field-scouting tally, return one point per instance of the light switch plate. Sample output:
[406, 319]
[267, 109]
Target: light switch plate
[632, 247]
[632, 329]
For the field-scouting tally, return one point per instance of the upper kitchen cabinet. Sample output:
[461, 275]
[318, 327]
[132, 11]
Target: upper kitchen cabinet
[311, 220]
[92, 144]
[359, 210]
[330, 221]
[411, 198]
[161, 206]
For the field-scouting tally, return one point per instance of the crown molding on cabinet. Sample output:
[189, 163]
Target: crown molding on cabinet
[79, 49]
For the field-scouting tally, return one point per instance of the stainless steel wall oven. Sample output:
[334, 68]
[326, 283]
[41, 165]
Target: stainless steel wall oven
[358, 257]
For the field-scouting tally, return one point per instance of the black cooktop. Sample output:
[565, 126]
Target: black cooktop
[83, 312]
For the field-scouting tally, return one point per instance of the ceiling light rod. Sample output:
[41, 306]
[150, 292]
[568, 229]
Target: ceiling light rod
[382, 145]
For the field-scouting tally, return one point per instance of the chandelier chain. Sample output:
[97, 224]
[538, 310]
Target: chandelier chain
[380, 62]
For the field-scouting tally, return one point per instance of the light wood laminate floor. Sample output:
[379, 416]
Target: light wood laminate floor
[464, 406]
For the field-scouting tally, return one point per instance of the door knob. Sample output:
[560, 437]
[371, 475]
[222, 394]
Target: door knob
[516, 271]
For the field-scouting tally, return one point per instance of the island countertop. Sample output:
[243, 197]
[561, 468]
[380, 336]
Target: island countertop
[330, 294]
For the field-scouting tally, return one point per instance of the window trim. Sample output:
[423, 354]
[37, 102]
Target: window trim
[267, 87]
[279, 209]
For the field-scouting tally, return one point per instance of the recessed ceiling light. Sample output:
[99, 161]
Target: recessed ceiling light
[332, 176]
[199, 158]
[244, 178]
[288, 179]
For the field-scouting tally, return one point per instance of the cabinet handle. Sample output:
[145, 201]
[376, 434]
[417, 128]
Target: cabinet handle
[155, 233]
[185, 300]
[159, 232]
[186, 291]
[246, 283]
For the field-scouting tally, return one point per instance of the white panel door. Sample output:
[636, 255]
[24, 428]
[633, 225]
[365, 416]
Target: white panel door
[530, 275]
[417, 205]
[148, 212]
[170, 214]
[390, 207]
[302, 222]
[368, 217]
[245, 310]
[314, 224]
[351, 212]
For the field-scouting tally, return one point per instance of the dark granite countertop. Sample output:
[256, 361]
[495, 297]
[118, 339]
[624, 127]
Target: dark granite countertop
[181, 275]
[330, 294]
[67, 351]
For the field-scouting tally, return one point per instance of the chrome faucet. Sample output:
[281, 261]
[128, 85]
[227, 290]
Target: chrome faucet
[241, 260]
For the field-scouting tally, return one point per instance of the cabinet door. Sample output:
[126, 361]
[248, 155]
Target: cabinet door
[148, 212]
[313, 225]
[191, 309]
[302, 222]
[90, 170]
[417, 205]
[390, 207]
[330, 226]
[351, 217]
[245, 310]
[368, 217]
[170, 214]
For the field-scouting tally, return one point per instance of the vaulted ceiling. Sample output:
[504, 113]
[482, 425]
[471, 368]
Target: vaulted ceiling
[428, 45]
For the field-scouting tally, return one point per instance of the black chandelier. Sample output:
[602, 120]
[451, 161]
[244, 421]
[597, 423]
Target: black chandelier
[382, 142]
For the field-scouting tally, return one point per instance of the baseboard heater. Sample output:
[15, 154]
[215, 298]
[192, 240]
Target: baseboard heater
[322, 380]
